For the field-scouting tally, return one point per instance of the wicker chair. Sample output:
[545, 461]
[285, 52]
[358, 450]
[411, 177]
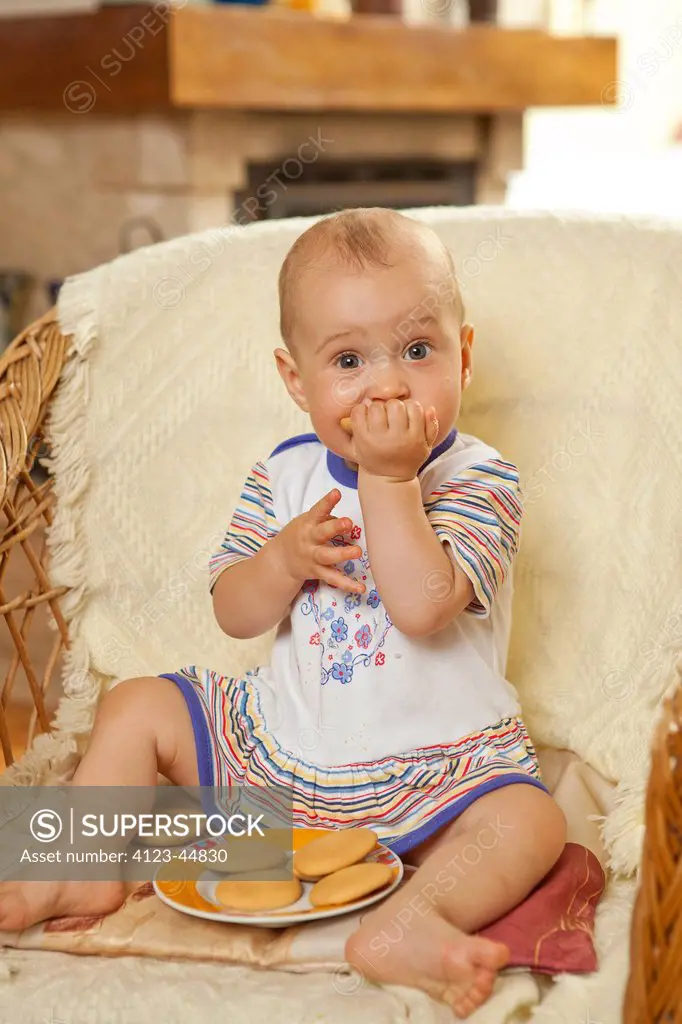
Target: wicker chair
[29, 373]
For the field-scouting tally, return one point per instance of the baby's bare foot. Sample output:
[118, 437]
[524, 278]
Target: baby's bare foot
[24, 903]
[432, 954]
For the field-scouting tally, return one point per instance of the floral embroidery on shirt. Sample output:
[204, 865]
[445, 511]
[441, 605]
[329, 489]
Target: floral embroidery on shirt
[363, 636]
[360, 647]
[344, 673]
[310, 606]
[368, 638]
[339, 629]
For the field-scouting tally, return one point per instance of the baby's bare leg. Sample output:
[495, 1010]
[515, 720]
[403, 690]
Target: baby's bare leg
[142, 727]
[477, 869]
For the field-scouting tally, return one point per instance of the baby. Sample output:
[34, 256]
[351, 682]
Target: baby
[382, 547]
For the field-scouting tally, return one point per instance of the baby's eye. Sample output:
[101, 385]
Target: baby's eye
[347, 361]
[418, 350]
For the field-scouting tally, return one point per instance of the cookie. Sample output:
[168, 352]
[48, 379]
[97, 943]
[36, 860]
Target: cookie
[246, 892]
[249, 854]
[347, 424]
[332, 852]
[350, 884]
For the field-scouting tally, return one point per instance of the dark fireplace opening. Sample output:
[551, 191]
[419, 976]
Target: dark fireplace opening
[291, 188]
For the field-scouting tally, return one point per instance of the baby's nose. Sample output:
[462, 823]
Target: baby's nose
[387, 383]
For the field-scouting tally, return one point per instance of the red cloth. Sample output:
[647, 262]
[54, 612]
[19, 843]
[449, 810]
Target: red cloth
[551, 930]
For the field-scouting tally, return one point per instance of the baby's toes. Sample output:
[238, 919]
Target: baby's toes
[480, 990]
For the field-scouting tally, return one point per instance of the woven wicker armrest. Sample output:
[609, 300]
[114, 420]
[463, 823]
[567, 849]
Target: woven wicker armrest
[654, 993]
[29, 371]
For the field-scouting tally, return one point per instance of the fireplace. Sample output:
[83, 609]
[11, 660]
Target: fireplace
[324, 186]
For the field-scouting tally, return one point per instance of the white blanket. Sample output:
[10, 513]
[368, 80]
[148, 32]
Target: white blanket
[173, 395]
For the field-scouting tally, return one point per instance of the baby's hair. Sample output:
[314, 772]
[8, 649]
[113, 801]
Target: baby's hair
[357, 238]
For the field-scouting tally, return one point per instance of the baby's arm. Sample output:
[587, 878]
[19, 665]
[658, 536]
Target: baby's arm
[254, 594]
[430, 563]
[420, 586]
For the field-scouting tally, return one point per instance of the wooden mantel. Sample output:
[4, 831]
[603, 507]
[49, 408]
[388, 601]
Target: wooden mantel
[238, 58]
[133, 59]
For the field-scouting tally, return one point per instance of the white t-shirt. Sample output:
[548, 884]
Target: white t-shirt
[344, 684]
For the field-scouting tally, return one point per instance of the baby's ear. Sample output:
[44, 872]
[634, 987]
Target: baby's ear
[467, 339]
[288, 371]
[466, 335]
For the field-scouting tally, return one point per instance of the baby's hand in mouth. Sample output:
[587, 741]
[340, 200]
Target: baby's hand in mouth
[391, 439]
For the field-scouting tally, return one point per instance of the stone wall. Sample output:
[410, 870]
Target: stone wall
[71, 186]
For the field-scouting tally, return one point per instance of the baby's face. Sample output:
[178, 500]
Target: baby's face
[376, 334]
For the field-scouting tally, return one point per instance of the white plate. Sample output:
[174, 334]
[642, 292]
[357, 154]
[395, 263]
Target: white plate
[183, 898]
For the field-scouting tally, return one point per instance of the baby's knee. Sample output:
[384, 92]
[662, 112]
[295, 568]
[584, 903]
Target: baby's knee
[150, 710]
[550, 828]
[535, 823]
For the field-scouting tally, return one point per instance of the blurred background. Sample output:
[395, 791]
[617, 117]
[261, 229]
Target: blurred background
[122, 124]
[125, 123]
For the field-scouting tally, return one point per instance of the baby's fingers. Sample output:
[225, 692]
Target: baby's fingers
[322, 508]
[414, 412]
[337, 579]
[432, 426]
[332, 528]
[327, 555]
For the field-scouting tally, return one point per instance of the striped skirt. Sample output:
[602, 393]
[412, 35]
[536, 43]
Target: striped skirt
[404, 798]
